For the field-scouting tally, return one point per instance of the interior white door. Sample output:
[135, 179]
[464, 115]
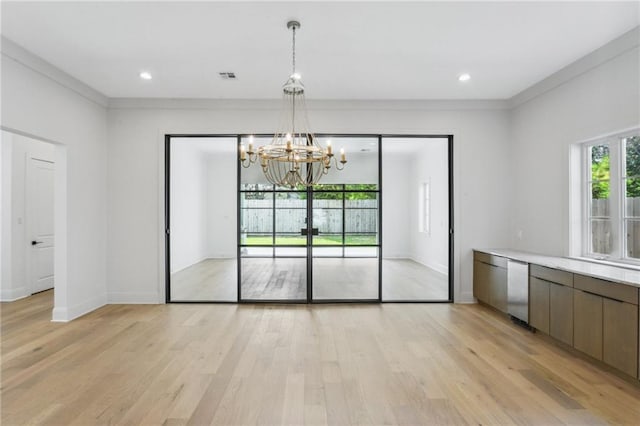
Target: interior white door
[40, 188]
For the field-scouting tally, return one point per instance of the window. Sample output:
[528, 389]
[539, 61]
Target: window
[611, 229]
[424, 209]
[343, 215]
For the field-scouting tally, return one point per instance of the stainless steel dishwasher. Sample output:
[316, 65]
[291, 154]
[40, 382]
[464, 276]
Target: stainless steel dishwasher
[518, 290]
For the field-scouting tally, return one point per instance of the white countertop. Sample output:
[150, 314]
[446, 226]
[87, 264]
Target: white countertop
[592, 269]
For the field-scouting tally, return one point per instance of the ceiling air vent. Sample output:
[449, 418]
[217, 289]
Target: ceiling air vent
[227, 75]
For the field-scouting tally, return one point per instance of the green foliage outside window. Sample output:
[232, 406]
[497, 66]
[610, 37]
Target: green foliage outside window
[600, 171]
[351, 194]
[633, 166]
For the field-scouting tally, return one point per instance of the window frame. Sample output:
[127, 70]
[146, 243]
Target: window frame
[617, 198]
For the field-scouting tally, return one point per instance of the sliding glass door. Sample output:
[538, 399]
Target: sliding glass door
[379, 230]
[312, 244]
[272, 244]
[201, 219]
[417, 225]
[345, 211]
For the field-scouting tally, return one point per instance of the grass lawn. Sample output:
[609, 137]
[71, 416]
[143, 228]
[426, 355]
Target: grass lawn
[319, 240]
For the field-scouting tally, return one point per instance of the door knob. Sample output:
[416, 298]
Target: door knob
[33, 243]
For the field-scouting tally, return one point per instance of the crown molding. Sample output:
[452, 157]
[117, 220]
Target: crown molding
[626, 42]
[12, 51]
[324, 104]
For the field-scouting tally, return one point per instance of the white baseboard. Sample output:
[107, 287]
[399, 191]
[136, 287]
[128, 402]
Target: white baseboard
[13, 294]
[442, 269]
[438, 267]
[67, 314]
[181, 267]
[394, 256]
[59, 315]
[133, 298]
[2, 299]
[466, 298]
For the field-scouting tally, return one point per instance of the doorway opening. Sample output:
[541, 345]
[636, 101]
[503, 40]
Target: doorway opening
[28, 235]
[231, 236]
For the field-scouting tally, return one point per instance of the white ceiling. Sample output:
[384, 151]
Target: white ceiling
[346, 50]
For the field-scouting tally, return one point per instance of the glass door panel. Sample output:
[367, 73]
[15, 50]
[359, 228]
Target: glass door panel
[415, 224]
[291, 218]
[273, 253]
[361, 218]
[328, 209]
[202, 210]
[256, 222]
[345, 261]
[279, 242]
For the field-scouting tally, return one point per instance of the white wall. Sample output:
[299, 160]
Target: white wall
[430, 165]
[222, 195]
[403, 172]
[361, 167]
[602, 100]
[135, 165]
[6, 218]
[37, 100]
[397, 193]
[19, 150]
[189, 188]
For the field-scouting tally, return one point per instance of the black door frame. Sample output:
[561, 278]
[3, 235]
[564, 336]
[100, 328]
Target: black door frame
[309, 299]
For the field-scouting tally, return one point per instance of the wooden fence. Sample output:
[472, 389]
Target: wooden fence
[601, 238]
[361, 216]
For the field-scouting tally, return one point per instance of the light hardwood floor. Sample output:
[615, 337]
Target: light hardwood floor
[211, 279]
[406, 279]
[285, 279]
[265, 364]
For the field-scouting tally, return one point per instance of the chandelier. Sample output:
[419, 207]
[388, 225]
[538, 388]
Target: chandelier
[293, 158]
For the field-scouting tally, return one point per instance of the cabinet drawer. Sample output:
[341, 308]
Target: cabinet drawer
[490, 259]
[611, 290]
[553, 275]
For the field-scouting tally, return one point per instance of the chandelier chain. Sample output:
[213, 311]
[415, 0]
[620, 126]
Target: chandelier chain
[294, 52]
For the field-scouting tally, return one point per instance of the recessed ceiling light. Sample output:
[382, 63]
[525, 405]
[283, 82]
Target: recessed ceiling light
[145, 75]
[464, 77]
